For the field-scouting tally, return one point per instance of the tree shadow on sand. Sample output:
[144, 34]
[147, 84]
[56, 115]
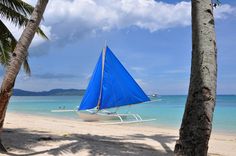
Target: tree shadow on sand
[162, 139]
[75, 143]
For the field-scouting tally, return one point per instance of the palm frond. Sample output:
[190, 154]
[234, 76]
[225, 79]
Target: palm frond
[26, 66]
[9, 11]
[17, 12]
[41, 33]
[18, 19]
[4, 49]
[7, 45]
[8, 35]
[13, 16]
[19, 6]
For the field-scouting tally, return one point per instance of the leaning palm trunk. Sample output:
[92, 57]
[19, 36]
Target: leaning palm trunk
[196, 125]
[18, 57]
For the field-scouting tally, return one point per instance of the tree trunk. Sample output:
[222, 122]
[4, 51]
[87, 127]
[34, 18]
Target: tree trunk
[18, 57]
[196, 125]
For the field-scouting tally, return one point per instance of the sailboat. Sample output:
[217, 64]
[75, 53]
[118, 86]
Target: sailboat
[111, 86]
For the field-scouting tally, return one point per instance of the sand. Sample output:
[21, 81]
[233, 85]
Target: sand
[37, 135]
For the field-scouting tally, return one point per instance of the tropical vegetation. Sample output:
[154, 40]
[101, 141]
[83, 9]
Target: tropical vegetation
[17, 12]
[20, 51]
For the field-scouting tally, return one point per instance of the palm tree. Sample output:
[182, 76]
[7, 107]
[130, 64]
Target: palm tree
[17, 12]
[196, 124]
[18, 57]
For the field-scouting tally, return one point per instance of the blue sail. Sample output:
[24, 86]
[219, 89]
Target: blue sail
[90, 99]
[118, 87]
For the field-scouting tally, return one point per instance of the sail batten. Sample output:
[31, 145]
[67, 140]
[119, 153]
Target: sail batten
[116, 87]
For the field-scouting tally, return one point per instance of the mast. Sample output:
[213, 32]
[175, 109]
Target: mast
[103, 64]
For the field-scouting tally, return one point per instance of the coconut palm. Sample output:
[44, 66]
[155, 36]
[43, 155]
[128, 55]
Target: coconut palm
[17, 58]
[196, 125]
[17, 12]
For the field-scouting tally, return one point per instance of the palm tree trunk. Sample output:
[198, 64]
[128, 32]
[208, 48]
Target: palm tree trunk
[196, 125]
[18, 57]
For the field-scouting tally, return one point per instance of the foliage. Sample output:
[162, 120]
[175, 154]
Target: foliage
[17, 12]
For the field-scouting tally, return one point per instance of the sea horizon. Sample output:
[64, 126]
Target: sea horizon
[167, 110]
[83, 89]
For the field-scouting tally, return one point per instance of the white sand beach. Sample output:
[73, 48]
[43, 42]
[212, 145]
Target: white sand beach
[37, 135]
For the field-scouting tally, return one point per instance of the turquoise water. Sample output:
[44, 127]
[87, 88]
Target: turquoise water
[168, 110]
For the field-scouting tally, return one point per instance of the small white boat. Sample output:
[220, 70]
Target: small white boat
[154, 95]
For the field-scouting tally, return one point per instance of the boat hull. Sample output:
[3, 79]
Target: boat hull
[93, 116]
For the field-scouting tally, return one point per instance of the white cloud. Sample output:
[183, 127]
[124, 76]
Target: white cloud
[223, 10]
[79, 16]
[69, 20]
[32, 2]
[137, 69]
[73, 19]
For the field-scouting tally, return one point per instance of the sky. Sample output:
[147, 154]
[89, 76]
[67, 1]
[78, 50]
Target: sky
[152, 39]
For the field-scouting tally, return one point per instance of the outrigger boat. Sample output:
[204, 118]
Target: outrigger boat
[111, 86]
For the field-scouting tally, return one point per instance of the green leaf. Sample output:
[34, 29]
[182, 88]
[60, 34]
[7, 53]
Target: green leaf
[26, 67]
[17, 12]
[18, 19]
[13, 16]
[19, 6]
[41, 33]
[7, 46]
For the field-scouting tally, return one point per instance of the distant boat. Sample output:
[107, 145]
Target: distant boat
[154, 95]
[111, 86]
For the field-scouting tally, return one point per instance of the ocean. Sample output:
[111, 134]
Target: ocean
[168, 110]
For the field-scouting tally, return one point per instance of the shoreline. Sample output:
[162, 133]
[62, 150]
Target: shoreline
[214, 131]
[39, 135]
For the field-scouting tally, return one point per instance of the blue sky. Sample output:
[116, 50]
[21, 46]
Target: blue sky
[151, 39]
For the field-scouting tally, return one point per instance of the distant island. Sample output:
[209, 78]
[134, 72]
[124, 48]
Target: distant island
[53, 92]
